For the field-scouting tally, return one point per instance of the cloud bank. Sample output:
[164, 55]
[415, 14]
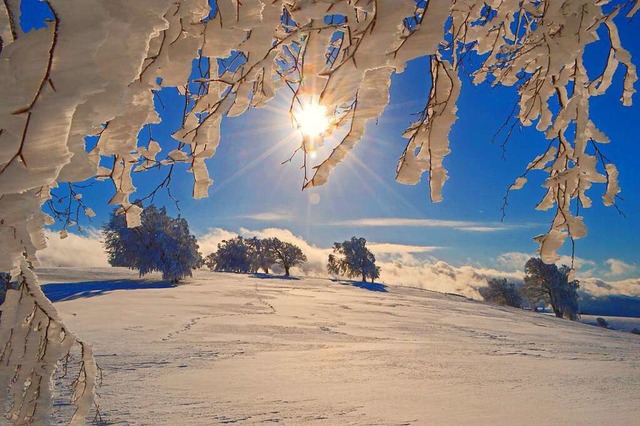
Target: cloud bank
[618, 267]
[75, 250]
[598, 287]
[208, 243]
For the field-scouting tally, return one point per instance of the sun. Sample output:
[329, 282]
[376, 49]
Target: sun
[312, 119]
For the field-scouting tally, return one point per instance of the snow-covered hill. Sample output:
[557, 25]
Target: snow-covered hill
[226, 348]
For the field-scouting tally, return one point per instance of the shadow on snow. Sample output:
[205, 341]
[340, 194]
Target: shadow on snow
[273, 277]
[364, 285]
[57, 292]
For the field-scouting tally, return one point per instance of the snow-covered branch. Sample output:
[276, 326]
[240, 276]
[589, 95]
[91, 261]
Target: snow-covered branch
[96, 68]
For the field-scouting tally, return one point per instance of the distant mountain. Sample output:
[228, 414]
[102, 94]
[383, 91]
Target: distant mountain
[614, 305]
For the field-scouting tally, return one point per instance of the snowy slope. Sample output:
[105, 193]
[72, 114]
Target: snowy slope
[226, 348]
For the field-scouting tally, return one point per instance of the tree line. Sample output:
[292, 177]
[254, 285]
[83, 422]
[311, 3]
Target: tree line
[249, 255]
[164, 244]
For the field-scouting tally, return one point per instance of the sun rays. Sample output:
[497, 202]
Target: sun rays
[312, 119]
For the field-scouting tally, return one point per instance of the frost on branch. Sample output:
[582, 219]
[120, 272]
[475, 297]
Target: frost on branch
[368, 103]
[429, 136]
[539, 47]
[100, 67]
[34, 340]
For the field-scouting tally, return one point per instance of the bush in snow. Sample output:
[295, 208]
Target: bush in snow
[501, 292]
[550, 284]
[351, 258]
[635, 330]
[160, 243]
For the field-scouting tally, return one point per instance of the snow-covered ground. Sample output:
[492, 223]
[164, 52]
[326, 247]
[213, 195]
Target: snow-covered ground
[227, 348]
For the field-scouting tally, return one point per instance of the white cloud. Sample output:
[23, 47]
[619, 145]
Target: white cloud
[443, 277]
[584, 267]
[513, 260]
[75, 250]
[484, 228]
[516, 260]
[403, 222]
[269, 216]
[618, 267]
[599, 287]
[403, 253]
[459, 225]
[379, 248]
[208, 243]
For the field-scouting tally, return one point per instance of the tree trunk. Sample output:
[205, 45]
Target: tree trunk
[558, 312]
[286, 271]
[364, 277]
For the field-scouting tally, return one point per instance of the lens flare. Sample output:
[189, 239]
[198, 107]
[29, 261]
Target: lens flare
[312, 120]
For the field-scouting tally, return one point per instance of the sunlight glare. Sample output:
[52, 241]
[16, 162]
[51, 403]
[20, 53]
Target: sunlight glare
[313, 120]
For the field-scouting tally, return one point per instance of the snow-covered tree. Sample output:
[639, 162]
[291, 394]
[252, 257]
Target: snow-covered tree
[232, 256]
[550, 284]
[160, 243]
[286, 255]
[74, 77]
[261, 254]
[351, 258]
[501, 292]
[251, 254]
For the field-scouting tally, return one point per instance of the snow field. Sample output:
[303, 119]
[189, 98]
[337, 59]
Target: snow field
[227, 348]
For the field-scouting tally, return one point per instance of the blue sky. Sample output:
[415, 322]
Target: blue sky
[253, 190]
